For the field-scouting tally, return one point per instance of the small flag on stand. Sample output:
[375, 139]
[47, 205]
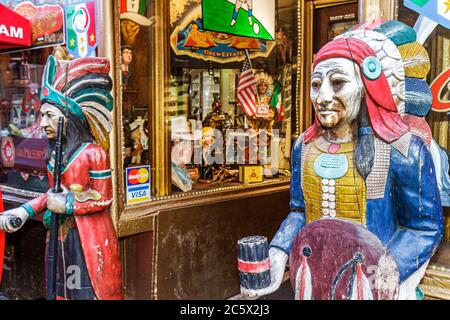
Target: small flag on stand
[275, 101]
[246, 89]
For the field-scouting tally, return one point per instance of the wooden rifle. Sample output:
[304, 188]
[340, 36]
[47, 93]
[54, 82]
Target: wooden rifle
[53, 242]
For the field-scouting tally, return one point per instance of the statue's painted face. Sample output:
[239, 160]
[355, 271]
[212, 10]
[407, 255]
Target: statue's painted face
[208, 137]
[127, 56]
[336, 92]
[49, 122]
[262, 87]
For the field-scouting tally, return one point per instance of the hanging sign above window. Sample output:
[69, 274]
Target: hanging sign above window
[247, 18]
[47, 23]
[15, 30]
[189, 39]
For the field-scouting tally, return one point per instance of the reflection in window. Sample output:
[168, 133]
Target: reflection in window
[23, 141]
[215, 142]
[135, 52]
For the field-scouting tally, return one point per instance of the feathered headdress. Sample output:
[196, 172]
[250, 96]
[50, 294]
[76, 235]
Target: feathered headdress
[405, 62]
[81, 87]
[390, 58]
[261, 77]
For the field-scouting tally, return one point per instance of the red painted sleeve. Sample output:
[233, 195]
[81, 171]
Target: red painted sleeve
[36, 206]
[100, 181]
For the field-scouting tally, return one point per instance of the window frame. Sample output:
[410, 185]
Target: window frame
[160, 128]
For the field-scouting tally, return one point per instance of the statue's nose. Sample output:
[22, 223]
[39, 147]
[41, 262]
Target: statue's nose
[44, 122]
[325, 96]
[324, 101]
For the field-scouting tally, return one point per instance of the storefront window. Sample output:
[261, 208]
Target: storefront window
[215, 140]
[23, 141]
[136, 102]
[193, 133]
[136, 64]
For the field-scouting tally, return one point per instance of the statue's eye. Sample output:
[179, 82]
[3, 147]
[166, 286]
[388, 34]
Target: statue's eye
[315, 84]
[338, 82]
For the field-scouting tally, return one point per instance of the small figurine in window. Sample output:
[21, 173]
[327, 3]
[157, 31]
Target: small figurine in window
[181, 154]
[284, 47]
[127, 58]
[136, 153]
[218, 119]
[206, 169]
[264, 116]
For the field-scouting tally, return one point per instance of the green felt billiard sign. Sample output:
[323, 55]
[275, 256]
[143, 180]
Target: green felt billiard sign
[248, 18]
[420, 3]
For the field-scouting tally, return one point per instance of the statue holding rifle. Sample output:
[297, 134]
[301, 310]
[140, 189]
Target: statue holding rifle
[76, 95]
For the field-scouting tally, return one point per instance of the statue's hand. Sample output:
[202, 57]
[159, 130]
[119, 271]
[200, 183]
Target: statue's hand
[278, 260]
[153, 20]
[56, 202]
[12, 220]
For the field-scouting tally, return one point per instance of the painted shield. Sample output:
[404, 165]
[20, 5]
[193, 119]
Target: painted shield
[333, 259]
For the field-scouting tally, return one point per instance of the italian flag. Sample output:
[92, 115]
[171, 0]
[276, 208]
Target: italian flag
[275, 101]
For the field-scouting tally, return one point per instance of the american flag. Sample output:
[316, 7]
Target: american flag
[246, 89]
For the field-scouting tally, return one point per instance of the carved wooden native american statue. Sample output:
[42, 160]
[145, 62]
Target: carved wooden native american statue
[87, 246]
[365, 213]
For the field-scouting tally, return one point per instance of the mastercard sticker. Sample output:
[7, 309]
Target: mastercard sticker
[138, 184]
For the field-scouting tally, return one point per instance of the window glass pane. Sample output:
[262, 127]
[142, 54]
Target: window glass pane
[136, 66]
[222, 133]
[23, 140]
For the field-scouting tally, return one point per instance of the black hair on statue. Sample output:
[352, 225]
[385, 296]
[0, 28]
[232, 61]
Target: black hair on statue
[76, 133]
[365, 147]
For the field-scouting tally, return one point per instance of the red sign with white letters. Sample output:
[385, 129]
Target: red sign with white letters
[15, 30]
